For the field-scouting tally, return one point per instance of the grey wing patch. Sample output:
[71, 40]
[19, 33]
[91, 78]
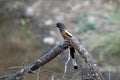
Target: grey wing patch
[68, 33]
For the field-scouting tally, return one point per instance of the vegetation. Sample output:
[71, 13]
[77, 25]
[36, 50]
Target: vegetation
[84, 24]
[107, 46]
[114, 17]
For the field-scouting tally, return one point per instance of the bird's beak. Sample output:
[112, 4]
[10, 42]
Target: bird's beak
[55, 25]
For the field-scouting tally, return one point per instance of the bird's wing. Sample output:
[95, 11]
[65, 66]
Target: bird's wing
[68, 33]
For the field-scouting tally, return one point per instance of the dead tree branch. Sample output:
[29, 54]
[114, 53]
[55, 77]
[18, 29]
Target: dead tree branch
[41, 61]
[87, 58]
[72, 41]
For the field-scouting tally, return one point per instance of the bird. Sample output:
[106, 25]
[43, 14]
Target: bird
[66, 34]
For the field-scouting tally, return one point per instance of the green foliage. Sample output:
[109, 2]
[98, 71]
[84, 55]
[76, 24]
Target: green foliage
[85, 25]
[114, 17]
[107, 46]
[89, 26]
[24, 24]
[111, 45]
[81, 16]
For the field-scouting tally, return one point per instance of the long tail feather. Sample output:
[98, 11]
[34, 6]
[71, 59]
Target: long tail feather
[72, 52]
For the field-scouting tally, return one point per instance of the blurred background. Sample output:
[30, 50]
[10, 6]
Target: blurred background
[27, 31]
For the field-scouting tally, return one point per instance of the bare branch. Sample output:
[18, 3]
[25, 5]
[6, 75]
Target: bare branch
[52, 78]
[70, 41]
[41, 61]
[37, 75]
[75, 74]
[109, 74]
[65, 70]
[87, 58]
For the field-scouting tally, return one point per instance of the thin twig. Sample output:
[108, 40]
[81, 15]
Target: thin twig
[52, 78]
[37, 75]
[109, 74]
[15, 67]
[65, 70]
[76, 74]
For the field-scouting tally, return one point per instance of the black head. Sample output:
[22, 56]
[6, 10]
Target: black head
[61, 26]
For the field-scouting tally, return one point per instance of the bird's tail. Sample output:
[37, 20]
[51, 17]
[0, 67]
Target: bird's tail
[72, 51]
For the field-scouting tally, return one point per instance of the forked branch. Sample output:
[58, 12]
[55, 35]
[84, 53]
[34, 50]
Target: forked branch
[72, 41]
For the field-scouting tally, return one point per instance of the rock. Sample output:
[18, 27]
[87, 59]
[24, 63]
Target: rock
[76, 7]
[86, 3]
[59, 17]
[29, 12]
[49, 40]
[48, 22]
[91, 18]
[56, 10]
[52, 33]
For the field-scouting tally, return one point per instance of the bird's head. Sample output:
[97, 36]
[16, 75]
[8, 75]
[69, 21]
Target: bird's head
[61, 26]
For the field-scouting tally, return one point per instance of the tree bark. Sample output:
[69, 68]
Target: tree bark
[94, 69]
[72, 41]
[41, 61]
